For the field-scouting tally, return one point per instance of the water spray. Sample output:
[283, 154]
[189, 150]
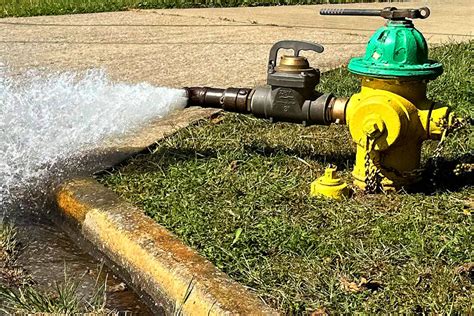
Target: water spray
[51, 124]
[388, 119]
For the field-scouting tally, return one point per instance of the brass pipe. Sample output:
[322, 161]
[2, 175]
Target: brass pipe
[338, 110]
[265, 102]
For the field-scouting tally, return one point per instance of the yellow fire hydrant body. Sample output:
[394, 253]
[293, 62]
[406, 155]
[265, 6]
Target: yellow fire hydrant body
[391, 116]
[388, 120]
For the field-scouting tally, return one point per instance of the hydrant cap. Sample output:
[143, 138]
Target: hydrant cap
[396, 50]
[329, 185]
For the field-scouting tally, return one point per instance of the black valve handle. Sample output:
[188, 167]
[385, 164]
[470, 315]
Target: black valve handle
[296, 46]
[390, 13]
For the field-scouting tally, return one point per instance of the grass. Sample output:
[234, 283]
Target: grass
[20, 295]
[9, 246]
[55, 7]
[63, 298]
[236, 189]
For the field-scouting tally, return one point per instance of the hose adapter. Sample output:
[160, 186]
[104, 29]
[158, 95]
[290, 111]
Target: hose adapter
[289, 95]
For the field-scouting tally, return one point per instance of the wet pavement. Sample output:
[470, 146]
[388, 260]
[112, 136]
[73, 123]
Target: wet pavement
[48, 254]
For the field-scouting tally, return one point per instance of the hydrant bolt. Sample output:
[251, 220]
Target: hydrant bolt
[373, 127]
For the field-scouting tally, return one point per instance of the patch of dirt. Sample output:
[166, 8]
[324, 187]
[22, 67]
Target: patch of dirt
[356, 287]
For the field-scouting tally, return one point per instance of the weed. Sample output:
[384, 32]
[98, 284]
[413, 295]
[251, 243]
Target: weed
[19, 294]
[64, 298]
[178, 309]
[9, 246]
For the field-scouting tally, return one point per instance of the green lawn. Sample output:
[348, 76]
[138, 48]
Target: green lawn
[54, 7]
[236, 189]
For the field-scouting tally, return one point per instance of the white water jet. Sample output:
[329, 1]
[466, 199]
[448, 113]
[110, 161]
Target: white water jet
[47, 121]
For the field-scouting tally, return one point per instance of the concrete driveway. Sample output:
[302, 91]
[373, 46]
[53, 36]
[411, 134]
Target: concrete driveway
[218, 47]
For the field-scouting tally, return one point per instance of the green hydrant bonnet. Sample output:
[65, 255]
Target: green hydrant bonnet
[396, 50]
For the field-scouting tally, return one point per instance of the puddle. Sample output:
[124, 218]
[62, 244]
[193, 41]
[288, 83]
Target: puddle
[47, 252]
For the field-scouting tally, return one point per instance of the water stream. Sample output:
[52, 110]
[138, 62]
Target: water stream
[47, 122]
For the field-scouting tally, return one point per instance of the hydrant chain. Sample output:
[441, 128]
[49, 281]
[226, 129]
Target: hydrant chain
[448, 126]
[372, 183]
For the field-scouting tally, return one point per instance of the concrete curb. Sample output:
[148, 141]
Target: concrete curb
[158, 263]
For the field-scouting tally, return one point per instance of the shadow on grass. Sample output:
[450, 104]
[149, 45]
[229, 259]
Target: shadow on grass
[162, 157]
[439, 175]
[342, 160]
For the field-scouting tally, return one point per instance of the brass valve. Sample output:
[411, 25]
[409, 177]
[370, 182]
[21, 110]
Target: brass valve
[289, 95]
[293, 64]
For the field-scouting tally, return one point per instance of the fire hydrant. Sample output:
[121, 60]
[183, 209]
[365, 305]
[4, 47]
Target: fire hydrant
[388, 119]
[391, 116]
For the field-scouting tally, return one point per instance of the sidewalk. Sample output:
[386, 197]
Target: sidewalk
[217, 47]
